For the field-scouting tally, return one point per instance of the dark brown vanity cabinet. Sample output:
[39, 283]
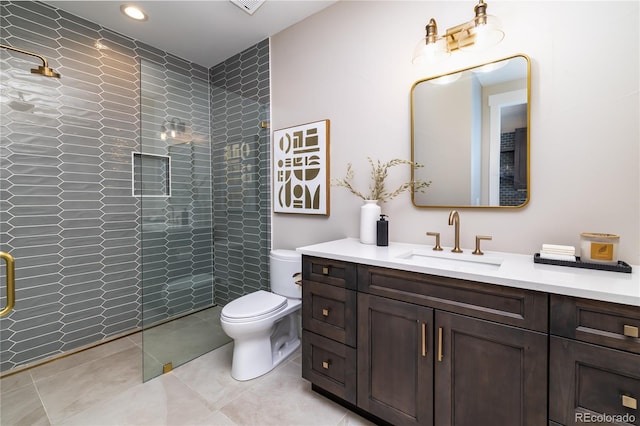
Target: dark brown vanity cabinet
[329, 326]
[419, 366]
[431, 363]
[418, 349]
[594, 374]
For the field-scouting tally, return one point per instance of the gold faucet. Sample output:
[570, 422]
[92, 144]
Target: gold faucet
[454, 219]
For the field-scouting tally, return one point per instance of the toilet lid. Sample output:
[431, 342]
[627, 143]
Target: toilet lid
[257, 304]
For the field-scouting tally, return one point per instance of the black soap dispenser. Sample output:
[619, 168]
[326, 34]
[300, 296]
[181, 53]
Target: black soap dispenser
[382, 236]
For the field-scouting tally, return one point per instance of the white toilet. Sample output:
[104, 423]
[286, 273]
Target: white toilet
[264, 325]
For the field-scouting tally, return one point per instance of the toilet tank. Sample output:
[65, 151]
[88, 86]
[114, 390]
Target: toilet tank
[284, 264]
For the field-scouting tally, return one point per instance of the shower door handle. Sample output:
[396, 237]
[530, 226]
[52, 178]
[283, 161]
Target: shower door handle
[11, 283]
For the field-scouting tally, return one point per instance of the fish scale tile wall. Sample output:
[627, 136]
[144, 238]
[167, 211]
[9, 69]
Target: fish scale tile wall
[67, 213]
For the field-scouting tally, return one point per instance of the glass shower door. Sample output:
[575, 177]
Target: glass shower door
[173, 182]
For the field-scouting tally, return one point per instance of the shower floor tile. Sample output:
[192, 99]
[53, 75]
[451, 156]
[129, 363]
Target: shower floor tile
[181, 340]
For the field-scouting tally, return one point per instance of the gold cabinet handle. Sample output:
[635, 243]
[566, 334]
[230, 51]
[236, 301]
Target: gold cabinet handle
[326, 364]
[11, 283]
[440, 344]
[630, 331]
[325, 312]
[325, 270]
[629, 402]
[424, 339]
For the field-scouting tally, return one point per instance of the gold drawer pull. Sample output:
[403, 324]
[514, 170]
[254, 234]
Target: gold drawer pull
[440, 344]
[326, 364]
[629, 402]
[424, 339]
[325, 312]
[325, 270]
[630, 331]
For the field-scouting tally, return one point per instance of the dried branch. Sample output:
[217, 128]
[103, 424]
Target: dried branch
[379, 172]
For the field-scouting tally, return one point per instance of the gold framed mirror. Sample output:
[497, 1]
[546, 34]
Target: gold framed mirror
[470, 130]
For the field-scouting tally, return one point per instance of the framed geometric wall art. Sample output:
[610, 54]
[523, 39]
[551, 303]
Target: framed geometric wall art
[301, 169]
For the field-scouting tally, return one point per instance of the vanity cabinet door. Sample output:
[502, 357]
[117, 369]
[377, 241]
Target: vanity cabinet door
[395, 360]
[488, 374]
[587, 380]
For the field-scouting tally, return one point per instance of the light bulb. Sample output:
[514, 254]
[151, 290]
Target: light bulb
[481, 34]
[487, 36]
[430, 53]
[133, 12]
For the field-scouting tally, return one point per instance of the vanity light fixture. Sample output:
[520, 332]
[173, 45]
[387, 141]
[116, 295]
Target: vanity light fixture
[482, 32]
[133, 12]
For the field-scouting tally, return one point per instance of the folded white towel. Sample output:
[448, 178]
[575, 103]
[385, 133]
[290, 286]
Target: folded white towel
[568, 253]
[558, 249]
[552, 256]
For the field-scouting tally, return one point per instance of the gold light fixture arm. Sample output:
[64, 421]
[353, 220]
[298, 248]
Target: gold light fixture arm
[481, 13]
[43, 69]
[432, 31]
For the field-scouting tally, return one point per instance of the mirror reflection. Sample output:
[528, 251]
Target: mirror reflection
[470, 129]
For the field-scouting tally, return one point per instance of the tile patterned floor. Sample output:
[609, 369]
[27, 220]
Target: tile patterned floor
[103, 386]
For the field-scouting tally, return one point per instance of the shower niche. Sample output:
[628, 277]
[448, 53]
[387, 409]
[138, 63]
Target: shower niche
[151, 175]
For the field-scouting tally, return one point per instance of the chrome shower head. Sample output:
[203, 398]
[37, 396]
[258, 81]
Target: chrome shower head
[42, 69]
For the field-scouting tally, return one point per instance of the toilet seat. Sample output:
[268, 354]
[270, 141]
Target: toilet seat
[253, 307]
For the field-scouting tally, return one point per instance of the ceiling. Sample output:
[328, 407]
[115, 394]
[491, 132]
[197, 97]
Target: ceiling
[204, 32]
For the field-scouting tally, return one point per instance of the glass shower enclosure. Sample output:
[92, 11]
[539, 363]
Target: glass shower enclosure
[172, 179]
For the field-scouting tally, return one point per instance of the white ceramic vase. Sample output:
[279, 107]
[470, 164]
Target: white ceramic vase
[369, 215]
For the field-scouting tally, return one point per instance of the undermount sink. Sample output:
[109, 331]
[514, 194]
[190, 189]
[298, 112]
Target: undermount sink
[452, 261]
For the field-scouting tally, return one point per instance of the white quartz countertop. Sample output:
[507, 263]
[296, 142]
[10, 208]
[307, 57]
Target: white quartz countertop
[512, 270]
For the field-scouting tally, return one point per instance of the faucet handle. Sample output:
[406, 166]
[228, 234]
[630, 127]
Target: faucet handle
[478, 238]
[437, 235]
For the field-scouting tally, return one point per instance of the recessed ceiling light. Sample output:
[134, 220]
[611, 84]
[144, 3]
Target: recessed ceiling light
[133, 12]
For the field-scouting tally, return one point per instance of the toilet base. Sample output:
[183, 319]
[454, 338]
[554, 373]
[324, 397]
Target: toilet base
[253, 357]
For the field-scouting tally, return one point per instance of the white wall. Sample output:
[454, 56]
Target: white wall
[351, 63]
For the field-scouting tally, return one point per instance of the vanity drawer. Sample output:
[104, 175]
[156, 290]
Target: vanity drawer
[512, 306]
[327, 271]
[329, 365]
[586, 380]
[602, 323]
[329, 311]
